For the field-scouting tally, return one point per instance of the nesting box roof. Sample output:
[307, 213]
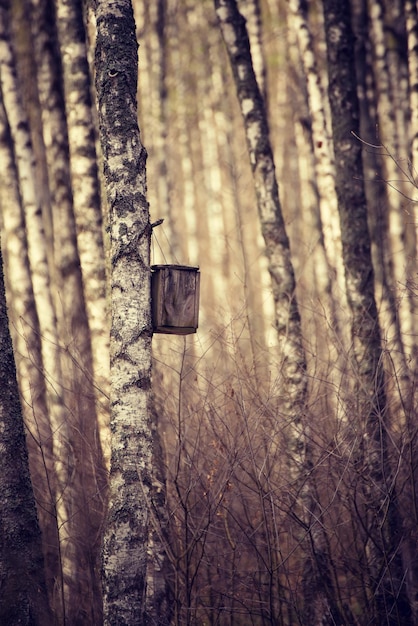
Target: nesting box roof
[174, 267]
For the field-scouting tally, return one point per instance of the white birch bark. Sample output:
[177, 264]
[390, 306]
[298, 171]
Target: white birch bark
[377, 199]
[124, 157]
[33, 212]
[185, 218]
[209, 212]
[319, 287]
[152, 19]
[411, 19]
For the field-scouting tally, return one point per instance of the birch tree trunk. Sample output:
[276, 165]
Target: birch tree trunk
[126, 532]
[23, 597]
[411, 25]
[382, 517]
[25, 166]
[293, 400]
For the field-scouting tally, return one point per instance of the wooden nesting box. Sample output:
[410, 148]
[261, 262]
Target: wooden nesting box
[175, 299]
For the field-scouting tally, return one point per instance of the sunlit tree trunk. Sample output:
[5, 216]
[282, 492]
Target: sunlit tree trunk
[382, 522]
[293, 401]
[30, 199]
[411, 23]
[187, 193]
[23, 597]
[152, 18]
[235, 231]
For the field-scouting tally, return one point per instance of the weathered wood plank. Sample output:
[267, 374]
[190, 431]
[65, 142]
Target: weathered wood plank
[175, 299]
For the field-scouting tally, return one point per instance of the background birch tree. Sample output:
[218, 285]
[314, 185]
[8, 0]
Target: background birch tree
[320, 603]
[382, 521]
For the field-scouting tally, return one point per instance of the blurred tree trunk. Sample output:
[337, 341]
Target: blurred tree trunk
[411, 25]
[322, 149]
[29, 191]
[377, 200]
[321, 606]
[86, 488]
[126, 540]
[23, 598]
[28, 356]
[313, 136]
[237, 235]
[316, 277]
[411, 521]
[86, 206]
[273, 229]
[81, 485]
[251, 10]
[152, 18]
[33, 218]
[411, 18]
[401, 264]
[382, 520]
